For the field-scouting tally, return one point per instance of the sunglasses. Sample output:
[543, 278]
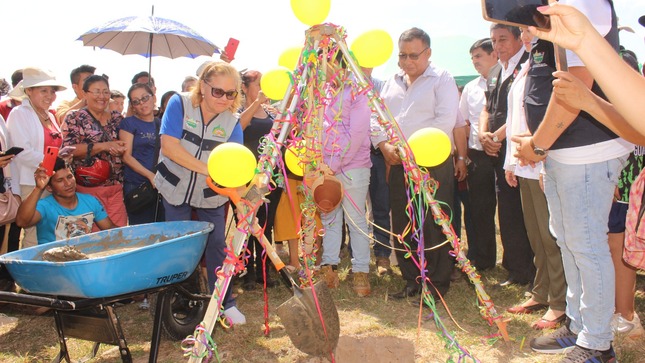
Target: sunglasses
[412, 56]
[219, 93]
[54, 135]
[141, 100]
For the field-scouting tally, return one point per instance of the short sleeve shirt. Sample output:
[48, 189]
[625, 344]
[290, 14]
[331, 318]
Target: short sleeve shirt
[58, 222]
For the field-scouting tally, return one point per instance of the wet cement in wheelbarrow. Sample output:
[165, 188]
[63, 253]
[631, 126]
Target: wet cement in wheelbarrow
[71, 253]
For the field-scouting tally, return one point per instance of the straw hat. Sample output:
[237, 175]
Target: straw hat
[36, 77]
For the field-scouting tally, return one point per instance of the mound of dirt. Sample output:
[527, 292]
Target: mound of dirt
[63, 254]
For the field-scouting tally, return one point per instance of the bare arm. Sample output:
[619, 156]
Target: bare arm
[559, 115]
[27, 215]
[172, 149]
[572, 30]
[570, 90]
[247, 114]
[105, 223]
[134, 164]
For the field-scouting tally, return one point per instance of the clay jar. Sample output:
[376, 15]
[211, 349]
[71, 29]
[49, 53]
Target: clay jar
[328, 193]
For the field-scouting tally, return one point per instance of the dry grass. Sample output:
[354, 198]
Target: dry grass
[373, 329]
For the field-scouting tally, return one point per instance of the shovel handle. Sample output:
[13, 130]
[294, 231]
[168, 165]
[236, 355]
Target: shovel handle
[228, 192]
[273, 256]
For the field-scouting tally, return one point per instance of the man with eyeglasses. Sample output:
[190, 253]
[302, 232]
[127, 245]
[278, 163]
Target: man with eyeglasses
[517, 256]
[421, 95]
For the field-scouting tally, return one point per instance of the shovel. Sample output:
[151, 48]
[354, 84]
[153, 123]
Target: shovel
[309, 317]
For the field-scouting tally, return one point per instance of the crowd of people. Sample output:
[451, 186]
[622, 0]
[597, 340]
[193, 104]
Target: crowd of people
[553, 152]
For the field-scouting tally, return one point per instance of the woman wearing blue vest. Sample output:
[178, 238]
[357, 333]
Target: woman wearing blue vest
[194, 124]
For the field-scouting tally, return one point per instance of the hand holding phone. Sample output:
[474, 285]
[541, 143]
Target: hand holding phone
[50, 160]
[231, 48]
[13, 151]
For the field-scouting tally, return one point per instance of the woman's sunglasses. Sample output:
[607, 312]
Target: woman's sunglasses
[218, 92]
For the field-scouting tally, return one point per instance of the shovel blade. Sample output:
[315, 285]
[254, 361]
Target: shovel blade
[303, 324]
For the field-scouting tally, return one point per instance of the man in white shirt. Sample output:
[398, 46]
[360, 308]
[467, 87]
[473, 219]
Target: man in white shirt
[482, 246]
[420, 96]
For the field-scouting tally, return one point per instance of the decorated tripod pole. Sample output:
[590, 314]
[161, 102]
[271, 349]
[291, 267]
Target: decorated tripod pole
[420, 180]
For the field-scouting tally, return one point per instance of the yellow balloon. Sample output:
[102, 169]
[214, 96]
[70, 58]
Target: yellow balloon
[289, 58]
[311, 12]
[292, 157]
[372, 48]
[231, 165]
[430, 146]
[275, 83]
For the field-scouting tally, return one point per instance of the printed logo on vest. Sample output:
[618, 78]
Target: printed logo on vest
[191, 123]
[538, 57]
[218, 131]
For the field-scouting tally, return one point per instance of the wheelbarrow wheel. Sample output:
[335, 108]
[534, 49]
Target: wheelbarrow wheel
[180, 313]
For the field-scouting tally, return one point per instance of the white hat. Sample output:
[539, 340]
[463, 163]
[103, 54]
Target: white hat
[17, 93]
[36, 77]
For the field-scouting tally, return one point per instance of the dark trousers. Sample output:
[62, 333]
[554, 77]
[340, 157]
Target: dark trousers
[215, 253]
[266, 217]
[439, 263]
[518, 256]
[482, 246]
[380, 200]
[461, 198]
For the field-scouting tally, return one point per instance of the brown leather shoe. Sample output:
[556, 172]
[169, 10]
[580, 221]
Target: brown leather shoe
[383, 266]
[330, 276]
[362, 284]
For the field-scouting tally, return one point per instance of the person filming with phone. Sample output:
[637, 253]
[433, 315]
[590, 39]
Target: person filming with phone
[63, 214]
[33, 128]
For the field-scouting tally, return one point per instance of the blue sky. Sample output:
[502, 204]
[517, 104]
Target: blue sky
[43, 33]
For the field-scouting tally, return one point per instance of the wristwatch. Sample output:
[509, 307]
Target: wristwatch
[495, 138]
[537, 150]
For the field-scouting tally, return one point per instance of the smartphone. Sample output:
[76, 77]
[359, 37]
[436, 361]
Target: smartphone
[66, 151]
[231, 48]
[13, 151]
[50, 159]
[520, 13]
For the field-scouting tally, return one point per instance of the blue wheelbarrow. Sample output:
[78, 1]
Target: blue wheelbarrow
[122, 263]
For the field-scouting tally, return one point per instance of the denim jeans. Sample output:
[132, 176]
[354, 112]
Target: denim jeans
[214, 253]
[355, 184]
[579, 199]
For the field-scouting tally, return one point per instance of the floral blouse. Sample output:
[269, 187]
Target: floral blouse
[80, 127]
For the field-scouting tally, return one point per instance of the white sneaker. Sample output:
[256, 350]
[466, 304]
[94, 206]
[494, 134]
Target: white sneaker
[630, 329]
[235, 316]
